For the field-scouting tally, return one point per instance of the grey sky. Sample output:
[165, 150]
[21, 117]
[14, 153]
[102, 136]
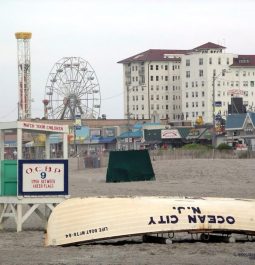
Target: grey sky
[104, 32]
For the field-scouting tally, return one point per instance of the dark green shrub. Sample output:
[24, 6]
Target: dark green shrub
[195, 146]
[224, 146]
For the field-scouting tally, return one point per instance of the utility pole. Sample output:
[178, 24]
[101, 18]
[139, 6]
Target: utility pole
[128, 117]
[213, 113]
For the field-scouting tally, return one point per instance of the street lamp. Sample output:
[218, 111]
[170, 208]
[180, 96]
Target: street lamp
[215, 77]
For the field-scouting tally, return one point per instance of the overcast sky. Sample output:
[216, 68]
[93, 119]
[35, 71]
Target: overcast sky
[105, 31]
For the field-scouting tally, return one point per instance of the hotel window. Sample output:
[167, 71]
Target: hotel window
[157, 78]
[196, 104]
[187, 94]
[166, 97]
[166, 67]
[196, 94]
[142, 97]
[193, 104]
[151, 77]
[166, 88]
[200, 61]
[237, 83]
[151, 87]
[201, 73]
[203, 93]
[187, 104]
[157, 97]
[193, 94]
[192, 84]
[157, 106]
[152, 106]
[196, 84]
[187, 74]
[157, 87]
[142, 107]
[252, 83]
[187, 62]
[210, 60]
[152, 97]
[203, 103]
[151, 67]
[203, 83]
[237, 73]
[227, 60]
[244, 73]
[166, 78]
[187, 84]
[156, 67]
[219, 60]
[166, 106]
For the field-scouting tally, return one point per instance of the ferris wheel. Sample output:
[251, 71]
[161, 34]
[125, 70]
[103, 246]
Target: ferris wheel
[72, 90]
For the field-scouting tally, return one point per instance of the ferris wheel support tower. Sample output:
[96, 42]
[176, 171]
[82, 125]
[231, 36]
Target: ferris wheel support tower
[24, 76]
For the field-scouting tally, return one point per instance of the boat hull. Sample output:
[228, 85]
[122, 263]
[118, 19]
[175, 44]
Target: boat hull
[90, 219]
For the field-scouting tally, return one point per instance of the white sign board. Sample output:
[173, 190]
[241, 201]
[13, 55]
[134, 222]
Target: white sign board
[170, 134]
[43, 177]
[43, 127]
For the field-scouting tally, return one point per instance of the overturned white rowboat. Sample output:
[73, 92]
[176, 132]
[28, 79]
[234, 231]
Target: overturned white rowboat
[96, 218]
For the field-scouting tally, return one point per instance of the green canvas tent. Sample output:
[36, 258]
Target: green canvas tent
[133, 165]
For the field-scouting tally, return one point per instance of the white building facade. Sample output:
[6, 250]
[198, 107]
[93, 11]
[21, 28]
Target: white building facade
[178, 84]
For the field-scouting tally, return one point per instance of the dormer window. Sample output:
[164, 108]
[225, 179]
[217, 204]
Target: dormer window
[244, 61]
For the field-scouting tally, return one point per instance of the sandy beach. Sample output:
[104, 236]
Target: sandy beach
[199, 177]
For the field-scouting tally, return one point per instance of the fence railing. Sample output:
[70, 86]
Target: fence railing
[102, 160]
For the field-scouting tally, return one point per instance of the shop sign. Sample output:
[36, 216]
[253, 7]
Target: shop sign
[170, 134]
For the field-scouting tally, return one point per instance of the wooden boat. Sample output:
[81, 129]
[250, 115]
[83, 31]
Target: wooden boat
[90, 219]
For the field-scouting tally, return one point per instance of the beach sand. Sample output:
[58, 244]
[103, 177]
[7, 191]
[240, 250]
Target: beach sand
[199, 177]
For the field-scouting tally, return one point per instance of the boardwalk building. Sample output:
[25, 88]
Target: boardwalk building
[178, 84]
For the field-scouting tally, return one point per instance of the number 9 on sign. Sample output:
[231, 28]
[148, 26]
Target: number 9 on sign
[43, 175]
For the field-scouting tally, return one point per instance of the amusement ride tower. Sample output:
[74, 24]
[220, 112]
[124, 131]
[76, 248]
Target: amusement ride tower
[24, 76]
